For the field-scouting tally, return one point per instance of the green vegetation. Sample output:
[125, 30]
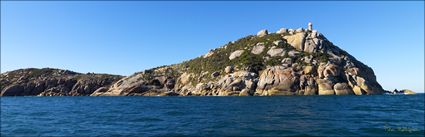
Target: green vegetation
[202, 68]
[249, 62]
[166, 71]
[220, 59]
[33, 72]
[274, 61]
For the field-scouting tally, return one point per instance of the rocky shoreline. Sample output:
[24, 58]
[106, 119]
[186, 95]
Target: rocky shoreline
[288, 62]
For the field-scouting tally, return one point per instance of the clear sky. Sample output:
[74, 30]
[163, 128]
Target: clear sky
[127, 37]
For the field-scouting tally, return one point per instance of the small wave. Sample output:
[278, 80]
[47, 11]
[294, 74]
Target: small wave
[174, 113]
[148, 119]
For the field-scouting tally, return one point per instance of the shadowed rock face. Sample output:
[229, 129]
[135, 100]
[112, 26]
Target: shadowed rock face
[290, 62]
[52, 82]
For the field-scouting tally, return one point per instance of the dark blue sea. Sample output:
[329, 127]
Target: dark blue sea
[380, 115]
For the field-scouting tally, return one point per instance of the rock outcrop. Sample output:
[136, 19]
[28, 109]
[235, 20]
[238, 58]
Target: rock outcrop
[288, 62]
[52, 82]
[262, 33]
[236, 54]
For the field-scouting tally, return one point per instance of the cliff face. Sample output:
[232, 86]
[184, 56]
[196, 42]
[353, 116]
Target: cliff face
[288, 62]
[52, 82]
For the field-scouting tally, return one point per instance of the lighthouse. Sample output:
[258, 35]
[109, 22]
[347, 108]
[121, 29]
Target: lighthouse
[310, 26]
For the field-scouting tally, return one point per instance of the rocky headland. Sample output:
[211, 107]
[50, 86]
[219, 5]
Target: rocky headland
[52, 82]
[287, 62]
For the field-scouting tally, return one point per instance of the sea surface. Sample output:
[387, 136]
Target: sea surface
[380, 115]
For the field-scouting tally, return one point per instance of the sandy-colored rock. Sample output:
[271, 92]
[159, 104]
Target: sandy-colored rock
[357, 90]
[296, 40]
[325, 87]
[258, 49]
[274, 51]
[99, 91]
[310, 90]
[276, 81]
[262, 33]
[343, 89]
[228, 69]
[308, 69]
[235, 54]
[244, 92]
[184, 78]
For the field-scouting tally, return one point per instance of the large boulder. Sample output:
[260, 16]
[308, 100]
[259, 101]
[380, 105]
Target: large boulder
[331, 70]
[274, 51]
[370, 87]
[328, 70]
[297, 40]
[308, 70]
[125, 86]
[100, 91]
[258, 49]
[262, 33]
[343, 89]
[235, 54]
[311, 45]
[276, 80]
[325, 87]
[228, 69]
[357, 90]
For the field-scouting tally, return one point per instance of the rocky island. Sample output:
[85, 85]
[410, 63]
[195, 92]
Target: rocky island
[287, 62]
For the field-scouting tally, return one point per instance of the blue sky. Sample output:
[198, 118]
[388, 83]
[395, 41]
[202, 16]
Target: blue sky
[127, 37]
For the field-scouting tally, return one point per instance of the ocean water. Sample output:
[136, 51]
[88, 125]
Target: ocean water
[384, 115]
